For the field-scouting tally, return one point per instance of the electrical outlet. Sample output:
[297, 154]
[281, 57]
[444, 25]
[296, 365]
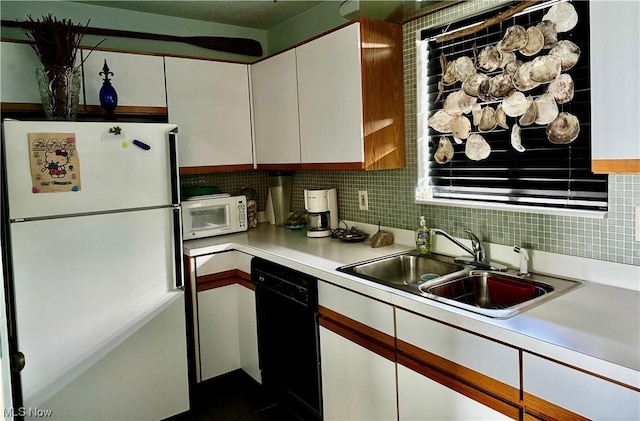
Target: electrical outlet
[637, 223]
[363, 200]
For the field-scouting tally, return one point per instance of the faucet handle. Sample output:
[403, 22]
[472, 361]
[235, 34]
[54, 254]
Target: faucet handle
[476, 245]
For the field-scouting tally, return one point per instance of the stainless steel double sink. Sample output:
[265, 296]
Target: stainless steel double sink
[440, 278]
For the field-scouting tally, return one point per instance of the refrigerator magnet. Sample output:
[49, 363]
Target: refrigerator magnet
[54, 162]
[141, 145]
[114, 133]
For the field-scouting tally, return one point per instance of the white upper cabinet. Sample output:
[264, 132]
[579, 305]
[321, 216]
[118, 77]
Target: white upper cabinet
[209, 101]
[275, 109]
[333, 103]
[138, 79]
[330, 97]
[18, 73]
[615, 86]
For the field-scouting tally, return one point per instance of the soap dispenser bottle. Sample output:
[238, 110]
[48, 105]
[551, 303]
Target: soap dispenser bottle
[423, 237]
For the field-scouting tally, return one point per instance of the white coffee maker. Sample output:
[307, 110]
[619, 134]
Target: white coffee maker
[322, 206]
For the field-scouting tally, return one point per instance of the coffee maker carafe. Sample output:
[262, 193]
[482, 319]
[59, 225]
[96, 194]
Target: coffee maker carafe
[322, 206]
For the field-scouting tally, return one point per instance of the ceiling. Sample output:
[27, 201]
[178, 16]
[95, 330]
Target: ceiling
[258, 14]
[265, 14]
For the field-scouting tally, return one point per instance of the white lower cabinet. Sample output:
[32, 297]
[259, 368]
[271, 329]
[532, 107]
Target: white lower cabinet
[226, 334]
[551, 388]
[248, 332]
[420, 398]
[228, 331]
[357, 356]
[357, 384]
[218, 331]
[445, 373]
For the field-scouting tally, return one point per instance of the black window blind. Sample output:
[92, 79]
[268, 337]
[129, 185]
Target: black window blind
[545, 174]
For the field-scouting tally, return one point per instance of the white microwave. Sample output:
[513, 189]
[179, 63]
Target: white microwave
[215, 216]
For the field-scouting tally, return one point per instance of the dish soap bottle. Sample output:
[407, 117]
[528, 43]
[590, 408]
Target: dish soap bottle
[423, 237]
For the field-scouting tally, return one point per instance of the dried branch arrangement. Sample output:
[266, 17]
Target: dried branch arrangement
[54, 41]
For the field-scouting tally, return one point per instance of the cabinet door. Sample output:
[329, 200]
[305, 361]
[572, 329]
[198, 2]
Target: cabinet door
[615, 86]
[330, 98]
[275, 110]
[496, 361]
[18, 73]
[209, 101]
[357, 384]
[576, 391]
[420, 398]
[248, 332]
[218, 331]
[138, 79]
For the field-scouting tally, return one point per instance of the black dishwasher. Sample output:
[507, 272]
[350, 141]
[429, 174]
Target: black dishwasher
[288, 338]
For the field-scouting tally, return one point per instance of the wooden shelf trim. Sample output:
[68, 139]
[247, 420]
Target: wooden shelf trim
[221, 279]
[365, 336]
[97, 110]
[615, 166]
[463, 374]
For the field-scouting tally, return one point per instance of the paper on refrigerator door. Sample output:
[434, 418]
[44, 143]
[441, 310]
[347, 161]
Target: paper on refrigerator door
[54, 162]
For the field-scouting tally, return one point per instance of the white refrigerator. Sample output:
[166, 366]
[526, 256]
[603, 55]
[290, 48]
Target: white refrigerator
[95, 268]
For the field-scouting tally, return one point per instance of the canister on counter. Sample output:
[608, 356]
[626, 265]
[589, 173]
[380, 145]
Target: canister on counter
[252, 206]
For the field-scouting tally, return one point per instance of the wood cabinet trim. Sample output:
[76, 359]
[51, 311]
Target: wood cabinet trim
[222, 279]
[457, 371]
[95, 110]
[215, 169]
[470, 391]
[615, 166]
[365, 336]
[546, 410]
[276, 167]
[382, 104]
[333, 166]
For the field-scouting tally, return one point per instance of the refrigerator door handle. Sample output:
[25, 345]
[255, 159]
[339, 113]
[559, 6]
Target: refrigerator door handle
[17, 362]
[175, 172]
[178, 265]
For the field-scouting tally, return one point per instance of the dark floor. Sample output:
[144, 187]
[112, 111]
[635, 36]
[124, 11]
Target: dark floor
[235, 397]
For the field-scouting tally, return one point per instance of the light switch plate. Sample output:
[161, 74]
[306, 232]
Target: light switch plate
[363, 200]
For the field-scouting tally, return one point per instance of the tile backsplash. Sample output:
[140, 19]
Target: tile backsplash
[391, 192]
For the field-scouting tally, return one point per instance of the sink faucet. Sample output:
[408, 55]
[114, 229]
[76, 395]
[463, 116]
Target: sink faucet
[476, 250]
[524, 258]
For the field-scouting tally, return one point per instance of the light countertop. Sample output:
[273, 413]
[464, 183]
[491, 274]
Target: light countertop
[594, 327]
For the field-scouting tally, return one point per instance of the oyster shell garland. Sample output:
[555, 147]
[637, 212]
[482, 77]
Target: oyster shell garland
[564, 129]
[477, 148]
[444, 153]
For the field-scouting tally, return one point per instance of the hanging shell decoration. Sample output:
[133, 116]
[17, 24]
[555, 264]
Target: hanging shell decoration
[506, 74]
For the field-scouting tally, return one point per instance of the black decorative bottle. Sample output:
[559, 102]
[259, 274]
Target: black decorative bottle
[108, 94]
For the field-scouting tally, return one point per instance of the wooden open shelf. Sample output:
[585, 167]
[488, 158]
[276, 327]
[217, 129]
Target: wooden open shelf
[33, 111]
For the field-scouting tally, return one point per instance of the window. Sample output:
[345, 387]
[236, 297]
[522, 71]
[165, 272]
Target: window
[545, 176]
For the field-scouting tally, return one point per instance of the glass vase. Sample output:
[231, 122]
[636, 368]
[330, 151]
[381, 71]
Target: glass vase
[59, 92]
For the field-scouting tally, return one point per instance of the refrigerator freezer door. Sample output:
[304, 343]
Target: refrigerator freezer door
[114, 175]
[98, 316]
